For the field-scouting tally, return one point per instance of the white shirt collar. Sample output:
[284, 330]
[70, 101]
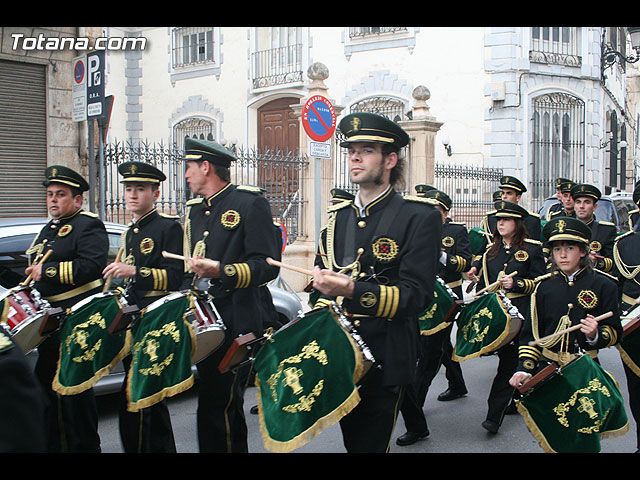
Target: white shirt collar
[358, 203]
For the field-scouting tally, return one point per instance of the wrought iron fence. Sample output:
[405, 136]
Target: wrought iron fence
[278, 174]
[470, 188]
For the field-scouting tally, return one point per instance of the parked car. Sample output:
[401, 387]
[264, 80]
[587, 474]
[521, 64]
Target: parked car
[613, 208]
[17, 234]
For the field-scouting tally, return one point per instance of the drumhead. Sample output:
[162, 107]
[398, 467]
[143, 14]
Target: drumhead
[27, 333]
[208, 340]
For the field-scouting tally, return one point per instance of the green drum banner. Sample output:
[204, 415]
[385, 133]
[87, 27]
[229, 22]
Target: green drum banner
[477, 237]
[87, 350]
[306, 376]
[575, 409]
[435, 318]
[162, 345]
[482, 326]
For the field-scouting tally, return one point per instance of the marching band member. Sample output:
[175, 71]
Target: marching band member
[586, 293]
[79, 244]
[390, 246]
[603, 234]
[148, 275]
[566, 199]
[230, 224]
[511, 251]
[626, 254]
[436, 349]
[556, 207]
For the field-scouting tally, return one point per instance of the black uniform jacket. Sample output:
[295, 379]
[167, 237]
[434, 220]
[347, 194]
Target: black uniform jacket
[456, 244]
[590, 292]
[626, 254]
[144, 241]
[235, 227]
[399, 243]
[80, 247]
[603, 236]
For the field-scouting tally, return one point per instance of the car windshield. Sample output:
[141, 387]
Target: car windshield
[606, 210]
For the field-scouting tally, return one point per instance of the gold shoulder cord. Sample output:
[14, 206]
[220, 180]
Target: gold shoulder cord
[353, 267]
[563, 323]
[623, 268]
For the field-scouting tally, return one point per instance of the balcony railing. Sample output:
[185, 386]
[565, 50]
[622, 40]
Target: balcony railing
[277, 66]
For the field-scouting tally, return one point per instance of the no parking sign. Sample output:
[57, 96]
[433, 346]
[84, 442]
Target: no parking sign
[318, 118]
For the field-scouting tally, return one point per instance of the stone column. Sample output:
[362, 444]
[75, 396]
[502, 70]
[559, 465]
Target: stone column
[422, 129]
[302, 252]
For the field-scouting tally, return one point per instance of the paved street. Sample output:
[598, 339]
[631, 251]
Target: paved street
[455, 426]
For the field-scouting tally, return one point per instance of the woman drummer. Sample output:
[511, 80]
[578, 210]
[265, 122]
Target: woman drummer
[573, 293]
[514, 261]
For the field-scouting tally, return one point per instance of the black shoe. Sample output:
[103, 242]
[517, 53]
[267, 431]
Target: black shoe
[449, 394]
[254, 409]
[410, 438]
[490, 426]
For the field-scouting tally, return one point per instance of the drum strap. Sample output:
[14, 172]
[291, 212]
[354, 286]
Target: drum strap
[76, 291]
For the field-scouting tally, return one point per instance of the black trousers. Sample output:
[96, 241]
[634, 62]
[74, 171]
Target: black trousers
[501, 392]
[146, 431]
[369, 426]
[71, 420]
[222, 426]
[436, 350]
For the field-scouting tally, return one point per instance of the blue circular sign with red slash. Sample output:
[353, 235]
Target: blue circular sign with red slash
[318, 118]
[78, 72]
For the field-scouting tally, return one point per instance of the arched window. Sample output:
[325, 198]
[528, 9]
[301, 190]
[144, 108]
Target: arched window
[557, 143]
[194, 127]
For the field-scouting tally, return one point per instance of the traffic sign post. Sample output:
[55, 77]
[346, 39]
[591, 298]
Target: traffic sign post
[79, 90]
[319, 121]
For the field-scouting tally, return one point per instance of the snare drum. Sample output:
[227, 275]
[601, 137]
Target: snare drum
[306, 374]
[485, 325]
[207, 324]
[569, 408]
[24, 312]
[629, 345]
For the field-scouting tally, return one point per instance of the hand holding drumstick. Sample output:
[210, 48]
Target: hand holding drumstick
[202, 267]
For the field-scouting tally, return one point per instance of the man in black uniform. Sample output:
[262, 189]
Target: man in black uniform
[567, 209]
[603, 234]
[79, 245]
[557, 206]
[231, 225]
[22, 406]
[149, 275]
[626, 254]
[436, 349]
[390, 245]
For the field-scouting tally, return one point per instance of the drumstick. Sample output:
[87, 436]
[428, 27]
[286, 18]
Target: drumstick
[42, 260]
[213, 263]
[107, 283]
[567, 330]
[276, 263]
[494, 284]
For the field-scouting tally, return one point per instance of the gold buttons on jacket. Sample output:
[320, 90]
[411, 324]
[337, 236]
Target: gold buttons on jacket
[362, 224]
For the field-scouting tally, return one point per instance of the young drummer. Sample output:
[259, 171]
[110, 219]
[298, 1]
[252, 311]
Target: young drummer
[573, 293]
[511, 251]
[148, 276]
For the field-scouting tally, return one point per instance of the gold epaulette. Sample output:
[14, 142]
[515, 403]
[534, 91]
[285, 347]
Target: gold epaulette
[194, 201]
[172, 217]
[458, 223]
[339, 206]
[413, 198]
[89, 214]
[531, 240]
[602, 222]
[615, 279]
[250, 188]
